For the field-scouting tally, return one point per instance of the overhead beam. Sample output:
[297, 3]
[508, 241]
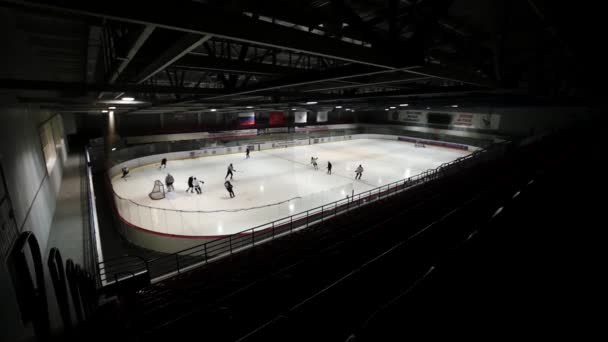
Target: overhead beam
[92, 61]
[234, 78]
[206, 63]
[362, 85]
[191, 17]
[95, 87]
[211, 52]
[347, 72]
[451, 75]
[356, 24]
[353, 101]
[549, 27]
[350, 72]
[285, 99]
[393, 29]
[141, 39]
[426, 91]
[182, 47]
[384, 14]
[297, 12]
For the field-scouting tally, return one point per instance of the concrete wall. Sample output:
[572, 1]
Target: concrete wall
[33, 191]
[69, 124]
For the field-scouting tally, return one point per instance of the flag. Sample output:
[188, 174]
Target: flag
[321, 116]
[301, 117]
[275, 118]
[247, 119]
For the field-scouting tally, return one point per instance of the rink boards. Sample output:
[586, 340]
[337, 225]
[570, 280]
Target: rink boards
[178, 222]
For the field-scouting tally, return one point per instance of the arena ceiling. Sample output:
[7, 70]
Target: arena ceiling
[226, 55]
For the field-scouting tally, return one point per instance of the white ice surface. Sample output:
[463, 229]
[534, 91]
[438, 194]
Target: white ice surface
[271, 184]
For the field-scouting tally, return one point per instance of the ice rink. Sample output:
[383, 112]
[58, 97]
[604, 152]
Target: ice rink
[271, 184]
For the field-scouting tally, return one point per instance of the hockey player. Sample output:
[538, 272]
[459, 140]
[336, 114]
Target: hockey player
[247, 153]
[163, 163]
[197, 185]
[419, 143]
[125, 172]
[313, 161]
[358, 172]
[169, 182]
[329, 167]
[229, 188]
[190, 184]
[230, 171]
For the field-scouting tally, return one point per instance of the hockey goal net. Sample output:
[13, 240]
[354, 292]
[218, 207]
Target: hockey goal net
[158, 192]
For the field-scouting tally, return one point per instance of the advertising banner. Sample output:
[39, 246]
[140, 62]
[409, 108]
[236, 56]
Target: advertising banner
[463, 120]
[410, 116]
[477, 121]
[460, 120]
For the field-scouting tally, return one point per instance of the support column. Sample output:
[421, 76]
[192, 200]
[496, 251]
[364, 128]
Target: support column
[111, 137]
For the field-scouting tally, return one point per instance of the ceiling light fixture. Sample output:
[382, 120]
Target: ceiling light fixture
[311, 102]
[213, 109]
[338, 107]
[128, 99]
[403, 105]
[111, 107]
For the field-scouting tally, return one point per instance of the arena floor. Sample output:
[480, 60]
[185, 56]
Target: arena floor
[271, 184]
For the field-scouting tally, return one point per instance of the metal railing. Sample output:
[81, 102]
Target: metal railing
[190, 258]
[113, 270]
[92, 241]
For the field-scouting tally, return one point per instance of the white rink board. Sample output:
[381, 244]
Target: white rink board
[271, 184]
